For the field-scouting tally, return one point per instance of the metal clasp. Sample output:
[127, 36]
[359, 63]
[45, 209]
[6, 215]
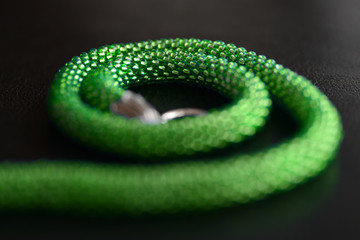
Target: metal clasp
[133, 105]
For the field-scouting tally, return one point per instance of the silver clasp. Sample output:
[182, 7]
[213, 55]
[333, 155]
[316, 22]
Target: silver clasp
[133, 105]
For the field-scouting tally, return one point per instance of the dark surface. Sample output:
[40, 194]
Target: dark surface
[317, 39]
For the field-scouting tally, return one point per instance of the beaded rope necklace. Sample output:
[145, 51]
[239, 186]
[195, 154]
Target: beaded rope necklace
[81, 103]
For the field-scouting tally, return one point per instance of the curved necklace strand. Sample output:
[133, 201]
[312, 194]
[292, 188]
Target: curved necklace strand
[79, 101]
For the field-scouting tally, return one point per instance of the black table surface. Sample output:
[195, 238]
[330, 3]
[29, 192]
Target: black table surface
[318, 39]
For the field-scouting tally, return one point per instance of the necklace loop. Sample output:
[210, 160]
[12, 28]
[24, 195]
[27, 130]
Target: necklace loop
[79, 101]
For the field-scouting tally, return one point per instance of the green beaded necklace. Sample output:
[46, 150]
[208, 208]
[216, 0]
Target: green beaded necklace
[79, 101]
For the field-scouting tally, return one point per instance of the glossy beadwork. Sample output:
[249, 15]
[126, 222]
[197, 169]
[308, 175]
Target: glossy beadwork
[101, 76]
[79, 101]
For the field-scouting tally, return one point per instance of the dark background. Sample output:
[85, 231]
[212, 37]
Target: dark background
[317, 39]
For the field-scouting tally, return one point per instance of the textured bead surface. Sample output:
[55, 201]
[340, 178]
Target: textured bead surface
[78, 103]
